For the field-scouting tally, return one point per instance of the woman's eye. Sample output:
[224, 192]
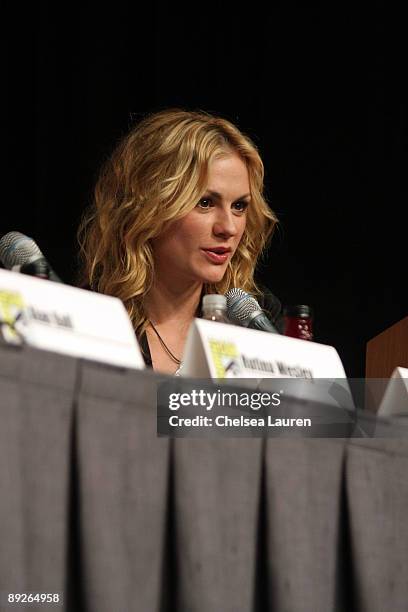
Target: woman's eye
[205, 203]
[241, 206]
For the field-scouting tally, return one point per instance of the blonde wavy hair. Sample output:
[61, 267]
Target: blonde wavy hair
[156, 175]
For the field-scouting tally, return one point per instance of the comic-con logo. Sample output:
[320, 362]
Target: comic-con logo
[226, 358]
[12, 309]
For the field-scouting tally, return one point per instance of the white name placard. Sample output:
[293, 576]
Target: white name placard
[65, 319]
[217, 350]
[395, 399]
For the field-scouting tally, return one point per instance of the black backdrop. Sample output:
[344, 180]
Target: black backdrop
[319, 88]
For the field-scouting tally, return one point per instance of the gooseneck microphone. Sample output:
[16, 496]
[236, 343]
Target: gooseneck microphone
[244, 310]
[19, 253]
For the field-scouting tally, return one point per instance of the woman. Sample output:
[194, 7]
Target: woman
[178, 212]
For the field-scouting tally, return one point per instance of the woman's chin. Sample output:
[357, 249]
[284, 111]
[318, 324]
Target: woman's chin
[215, 276]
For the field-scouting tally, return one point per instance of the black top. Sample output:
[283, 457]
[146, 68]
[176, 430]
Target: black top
[268, 302]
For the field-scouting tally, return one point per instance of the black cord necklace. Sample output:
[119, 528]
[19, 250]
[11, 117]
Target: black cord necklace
[164, 345]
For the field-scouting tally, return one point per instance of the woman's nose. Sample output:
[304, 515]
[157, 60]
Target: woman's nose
[225, 224]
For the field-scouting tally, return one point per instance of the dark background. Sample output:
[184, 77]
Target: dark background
[320, 89]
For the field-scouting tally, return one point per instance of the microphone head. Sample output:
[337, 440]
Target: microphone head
[16, 249]
[241, 305]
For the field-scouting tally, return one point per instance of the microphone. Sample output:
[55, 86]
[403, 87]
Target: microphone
[19, 253]
[244, 310]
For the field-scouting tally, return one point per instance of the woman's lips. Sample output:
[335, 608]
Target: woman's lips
[217, 258]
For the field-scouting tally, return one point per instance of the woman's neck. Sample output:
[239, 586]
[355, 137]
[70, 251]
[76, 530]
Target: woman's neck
[166, 305]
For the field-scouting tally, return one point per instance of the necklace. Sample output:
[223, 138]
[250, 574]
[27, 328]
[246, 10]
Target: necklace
[166, 348]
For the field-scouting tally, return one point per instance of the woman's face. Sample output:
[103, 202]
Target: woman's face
[198, 247]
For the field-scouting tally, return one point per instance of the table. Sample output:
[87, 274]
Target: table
[93, 504]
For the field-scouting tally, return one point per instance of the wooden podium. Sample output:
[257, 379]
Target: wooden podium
[384, 353]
